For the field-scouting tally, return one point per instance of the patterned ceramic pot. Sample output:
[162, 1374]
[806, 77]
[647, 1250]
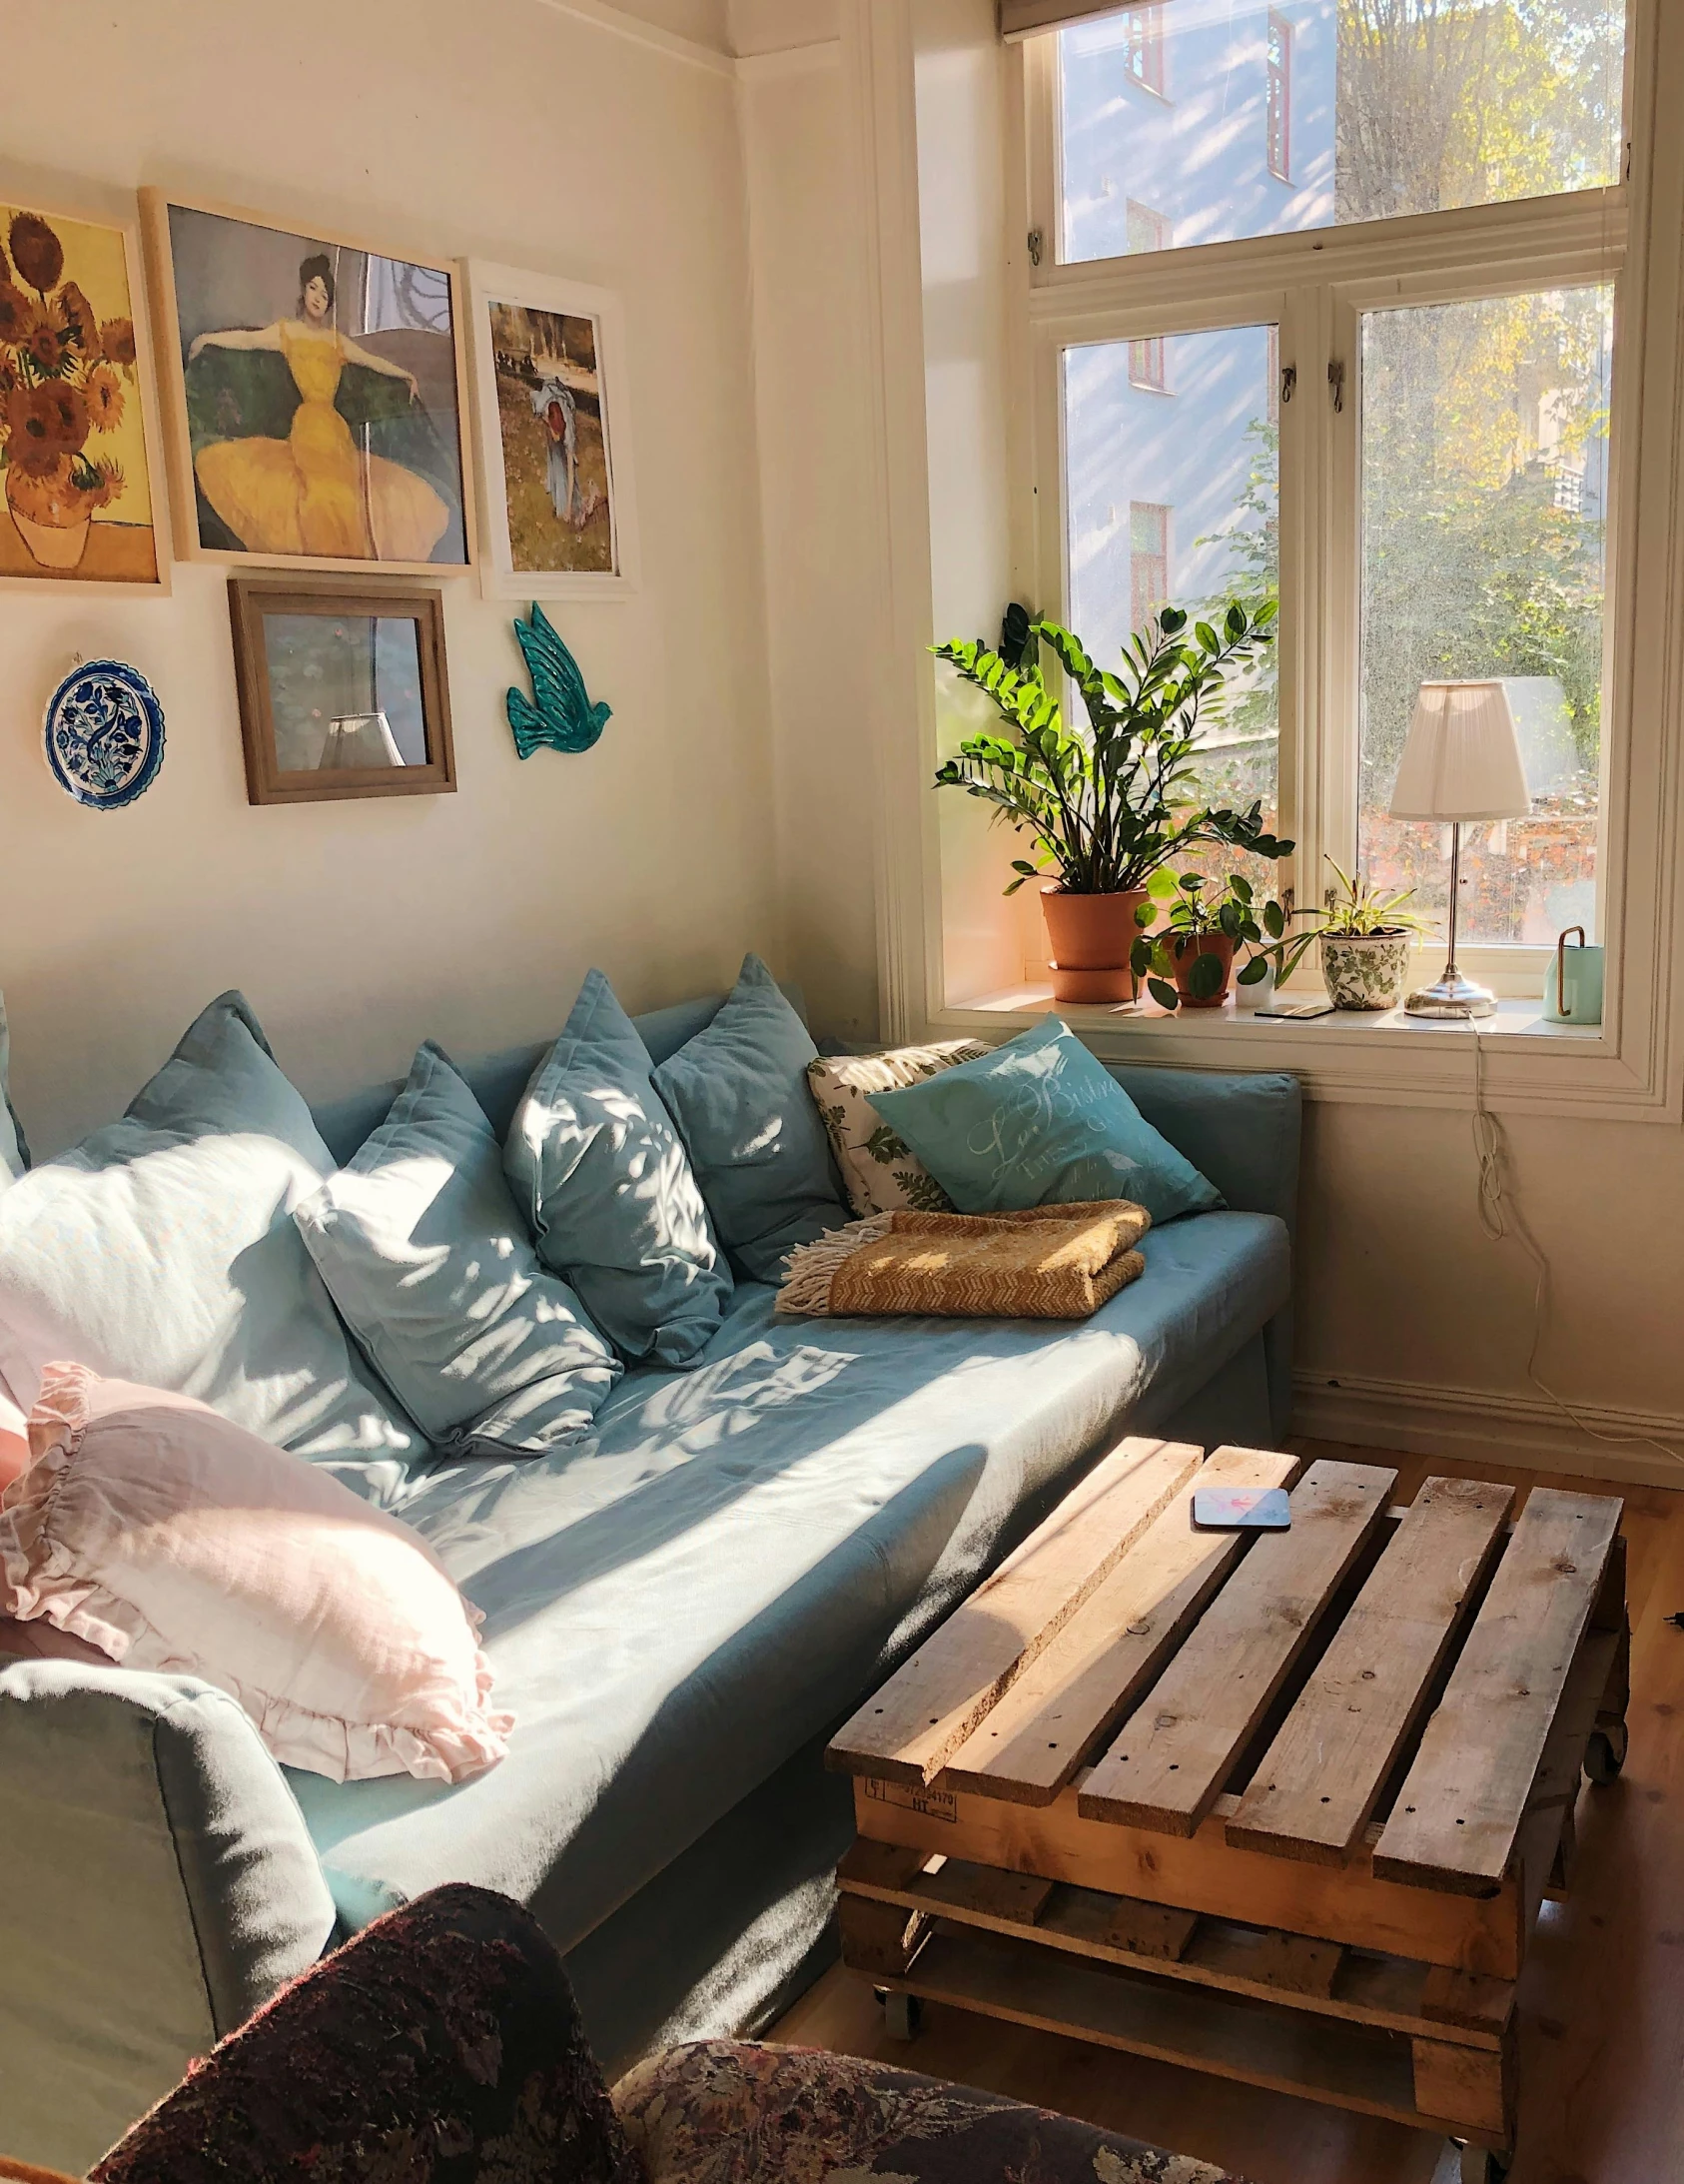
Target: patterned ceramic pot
[1365, 970]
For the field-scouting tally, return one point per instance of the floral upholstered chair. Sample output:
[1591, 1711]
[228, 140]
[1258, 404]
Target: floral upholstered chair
[443, 2046]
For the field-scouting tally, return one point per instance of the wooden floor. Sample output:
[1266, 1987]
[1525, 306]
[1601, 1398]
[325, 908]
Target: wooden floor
[1601, 2000]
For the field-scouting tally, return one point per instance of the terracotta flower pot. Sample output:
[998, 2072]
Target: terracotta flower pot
[1186, 952]
[52, 519]
[1088, 939]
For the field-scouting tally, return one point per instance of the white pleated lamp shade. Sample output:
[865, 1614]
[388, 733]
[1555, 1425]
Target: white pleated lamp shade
[1463, 757]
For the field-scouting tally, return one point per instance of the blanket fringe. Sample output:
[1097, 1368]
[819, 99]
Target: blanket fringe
[811, 1268]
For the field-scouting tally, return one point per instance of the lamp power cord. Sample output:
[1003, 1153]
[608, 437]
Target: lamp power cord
[1503, 1222]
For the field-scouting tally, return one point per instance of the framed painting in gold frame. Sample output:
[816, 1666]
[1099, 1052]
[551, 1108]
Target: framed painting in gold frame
[344, 688]
[315, 395]
[558, 517]
[83, 497]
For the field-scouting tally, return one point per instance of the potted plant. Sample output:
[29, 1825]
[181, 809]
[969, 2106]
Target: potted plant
[1364, 937]
[1203, 923]
[1106, 806]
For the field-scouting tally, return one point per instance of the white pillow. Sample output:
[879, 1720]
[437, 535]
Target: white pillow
[879, 1170]
[172, 1539]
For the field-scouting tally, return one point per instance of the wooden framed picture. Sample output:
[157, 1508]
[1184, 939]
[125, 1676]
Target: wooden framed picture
[558, 518]
[315, 398]
[83, 497]
[343, 689]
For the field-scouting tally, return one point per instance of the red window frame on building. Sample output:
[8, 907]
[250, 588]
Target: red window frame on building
[1147, 367]
[1149, 559]
[1142, 30]
[1278, 121]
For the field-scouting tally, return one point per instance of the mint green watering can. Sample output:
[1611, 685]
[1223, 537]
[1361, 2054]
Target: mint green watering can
[1573, 990]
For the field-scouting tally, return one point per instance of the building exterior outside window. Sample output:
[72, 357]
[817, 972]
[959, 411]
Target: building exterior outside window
[1279, 104]
[1144, 45]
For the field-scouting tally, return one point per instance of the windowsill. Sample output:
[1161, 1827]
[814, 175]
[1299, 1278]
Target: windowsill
[1514, 1018]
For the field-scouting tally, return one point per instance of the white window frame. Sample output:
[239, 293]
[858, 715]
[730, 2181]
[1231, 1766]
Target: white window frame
[1314, 284]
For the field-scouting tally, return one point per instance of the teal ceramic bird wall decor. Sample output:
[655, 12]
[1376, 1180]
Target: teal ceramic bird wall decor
[563, 717]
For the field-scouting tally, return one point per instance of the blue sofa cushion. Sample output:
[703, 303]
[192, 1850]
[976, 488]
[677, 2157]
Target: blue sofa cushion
[162, 1250]
[738, 1092]
[1039, 1122]
[425, 1253]
[607, 1189]
[14, 1147]
[722, 1567]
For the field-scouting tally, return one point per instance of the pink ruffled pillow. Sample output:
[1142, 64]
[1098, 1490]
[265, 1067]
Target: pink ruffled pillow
[172, 1539]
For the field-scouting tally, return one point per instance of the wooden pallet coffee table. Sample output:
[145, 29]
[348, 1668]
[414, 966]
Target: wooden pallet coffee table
[1281, 1806]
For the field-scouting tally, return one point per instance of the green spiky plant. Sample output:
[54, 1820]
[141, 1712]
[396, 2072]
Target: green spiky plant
[1108, 805]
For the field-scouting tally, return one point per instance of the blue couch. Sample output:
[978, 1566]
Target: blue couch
[679, 1610]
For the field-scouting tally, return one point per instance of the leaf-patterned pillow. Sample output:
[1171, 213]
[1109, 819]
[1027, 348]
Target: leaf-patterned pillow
[880, 1173]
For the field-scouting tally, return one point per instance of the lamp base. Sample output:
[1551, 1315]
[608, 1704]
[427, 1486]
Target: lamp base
[1451, 996]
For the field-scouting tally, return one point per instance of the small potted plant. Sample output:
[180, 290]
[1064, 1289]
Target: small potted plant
[1364, 937]
[1106, 805]
[1203, 923]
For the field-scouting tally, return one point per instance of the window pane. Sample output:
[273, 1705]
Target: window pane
[1485, 482]
[1172, 499]
[1199, 121]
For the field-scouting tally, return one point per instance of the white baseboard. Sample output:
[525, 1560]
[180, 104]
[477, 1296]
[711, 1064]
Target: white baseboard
[1472, 1424]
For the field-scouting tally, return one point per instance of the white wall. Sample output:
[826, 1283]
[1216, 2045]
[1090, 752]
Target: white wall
[518, 132]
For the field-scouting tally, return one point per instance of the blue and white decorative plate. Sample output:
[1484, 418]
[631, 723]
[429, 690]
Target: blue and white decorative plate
[104, 734]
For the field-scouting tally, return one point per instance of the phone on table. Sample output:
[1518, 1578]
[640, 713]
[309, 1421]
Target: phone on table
[1297, 1009]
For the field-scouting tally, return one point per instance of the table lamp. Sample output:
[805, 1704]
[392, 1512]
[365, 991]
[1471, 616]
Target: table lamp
[1461, 763]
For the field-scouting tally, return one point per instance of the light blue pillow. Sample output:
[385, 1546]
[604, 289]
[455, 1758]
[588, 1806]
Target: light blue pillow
[608, 1191]
[14, 1147]
[427, 1256]
[162, 1250]
[739, 1095]
[1039, 1122]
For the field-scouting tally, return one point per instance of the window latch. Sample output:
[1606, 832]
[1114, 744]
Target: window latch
[1336, 384]
[1288, 380]
[1034, 240]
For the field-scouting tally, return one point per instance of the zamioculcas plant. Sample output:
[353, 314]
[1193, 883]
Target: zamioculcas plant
[1108, 804]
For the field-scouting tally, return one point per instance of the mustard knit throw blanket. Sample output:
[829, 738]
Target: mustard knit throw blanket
[1048, 1263]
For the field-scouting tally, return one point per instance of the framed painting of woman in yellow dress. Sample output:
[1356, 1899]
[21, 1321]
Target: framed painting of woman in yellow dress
[316, 394]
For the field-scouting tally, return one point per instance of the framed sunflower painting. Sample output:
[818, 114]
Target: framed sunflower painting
[78, 424]
[315, 395]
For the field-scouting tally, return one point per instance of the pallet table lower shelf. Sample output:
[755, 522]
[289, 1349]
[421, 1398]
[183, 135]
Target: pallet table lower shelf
[1283, 1811]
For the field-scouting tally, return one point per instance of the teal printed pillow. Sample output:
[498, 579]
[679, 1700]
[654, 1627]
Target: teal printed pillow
[14, 1148]
[426, 1253]
[162, 1250]
[1039, 1122]
[738, 1093]
[609, 1191]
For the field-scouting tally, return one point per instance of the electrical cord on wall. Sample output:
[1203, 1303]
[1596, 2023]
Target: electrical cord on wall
[1503, 1222]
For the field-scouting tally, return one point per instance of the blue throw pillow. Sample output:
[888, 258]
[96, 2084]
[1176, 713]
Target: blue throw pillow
[1039, 1122]
[14, 1148]
[609, 1191]
[738, 1093]
[427, 1257]
[162, 1250]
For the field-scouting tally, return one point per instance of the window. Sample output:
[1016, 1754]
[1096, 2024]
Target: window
[1371, 109]
[1142, 34]
[1277, 106]
[1149, 559]
[1425, 487]
[1146, 365]
[1145, 229]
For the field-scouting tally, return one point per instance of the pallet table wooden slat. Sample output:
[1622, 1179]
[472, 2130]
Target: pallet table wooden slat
[1319, 1782]
[937, 1698]
[1279, 1934]
[1460, 1808]
[1171, 1760]
[1030, 1743]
